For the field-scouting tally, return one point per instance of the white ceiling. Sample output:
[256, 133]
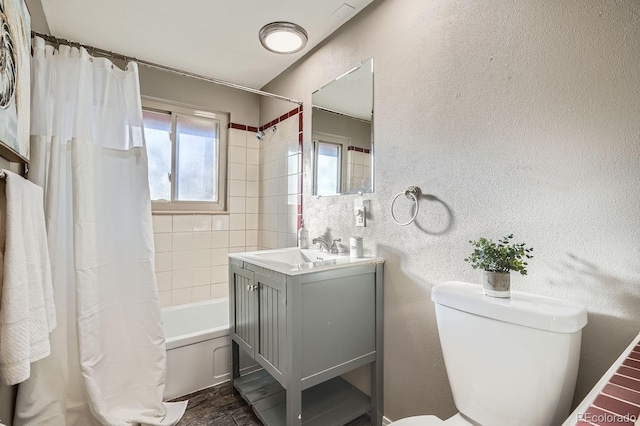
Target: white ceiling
[217, 39]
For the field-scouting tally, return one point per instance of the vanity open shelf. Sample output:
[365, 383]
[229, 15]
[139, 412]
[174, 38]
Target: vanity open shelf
[306, 327]
[334, 402]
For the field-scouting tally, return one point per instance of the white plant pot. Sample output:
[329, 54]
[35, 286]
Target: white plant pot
[496, 284]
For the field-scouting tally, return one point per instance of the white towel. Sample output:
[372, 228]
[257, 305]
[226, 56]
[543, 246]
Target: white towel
[27, 312]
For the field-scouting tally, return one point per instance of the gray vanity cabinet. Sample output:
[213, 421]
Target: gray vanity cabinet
[243, 330]
[306, 330]
[260, 315]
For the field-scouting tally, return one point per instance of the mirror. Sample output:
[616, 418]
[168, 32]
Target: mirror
[342, 133]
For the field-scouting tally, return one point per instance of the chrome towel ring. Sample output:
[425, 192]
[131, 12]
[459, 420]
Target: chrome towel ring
[412, 193]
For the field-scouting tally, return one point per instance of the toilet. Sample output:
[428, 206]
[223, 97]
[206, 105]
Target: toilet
[509, 361]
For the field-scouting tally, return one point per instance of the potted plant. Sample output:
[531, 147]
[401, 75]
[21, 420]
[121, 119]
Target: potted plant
[497, 260]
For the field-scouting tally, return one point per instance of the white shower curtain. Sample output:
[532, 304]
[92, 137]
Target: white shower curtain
[107, 363]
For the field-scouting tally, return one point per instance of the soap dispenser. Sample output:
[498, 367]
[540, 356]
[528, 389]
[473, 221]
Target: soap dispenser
[303, 236]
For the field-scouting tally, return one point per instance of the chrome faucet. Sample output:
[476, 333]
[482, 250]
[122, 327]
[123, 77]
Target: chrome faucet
[322, 243]
[325, 245]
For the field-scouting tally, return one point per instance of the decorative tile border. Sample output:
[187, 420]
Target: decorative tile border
[273, 122]
[619, 400]
[358, 149]
[243, 127]
[284, 117]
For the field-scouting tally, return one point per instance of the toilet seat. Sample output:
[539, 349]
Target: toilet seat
[456, 420]
[418, 421]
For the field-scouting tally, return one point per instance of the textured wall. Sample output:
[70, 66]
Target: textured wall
[512, 116]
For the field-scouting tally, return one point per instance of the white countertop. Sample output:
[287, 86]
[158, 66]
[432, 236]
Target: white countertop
[295, 261]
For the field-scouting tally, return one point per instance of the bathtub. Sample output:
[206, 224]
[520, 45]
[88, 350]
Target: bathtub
[197, 346]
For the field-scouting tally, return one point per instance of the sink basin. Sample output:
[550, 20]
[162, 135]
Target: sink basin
[295, 256]
[294, 261]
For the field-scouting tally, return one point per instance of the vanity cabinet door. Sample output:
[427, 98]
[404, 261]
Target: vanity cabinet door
[271, 325]
[243, 304]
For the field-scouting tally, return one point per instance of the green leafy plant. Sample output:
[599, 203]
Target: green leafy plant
[503, 256]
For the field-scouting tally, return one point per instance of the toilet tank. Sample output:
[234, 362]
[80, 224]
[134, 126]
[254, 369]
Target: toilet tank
[509, 361]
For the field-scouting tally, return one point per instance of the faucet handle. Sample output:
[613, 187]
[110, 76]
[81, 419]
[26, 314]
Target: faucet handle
[334, 246]
[320, 242]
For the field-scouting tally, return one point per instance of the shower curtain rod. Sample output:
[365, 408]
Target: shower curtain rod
[330, 111]
[107, 53]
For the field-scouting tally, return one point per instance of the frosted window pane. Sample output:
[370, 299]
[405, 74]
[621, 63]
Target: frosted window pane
[157, 132]
[328, 165]
[197, 159]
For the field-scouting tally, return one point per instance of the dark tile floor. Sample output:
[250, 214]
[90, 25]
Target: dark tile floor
[217, 407]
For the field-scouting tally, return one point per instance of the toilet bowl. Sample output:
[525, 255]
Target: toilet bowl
[522, 354]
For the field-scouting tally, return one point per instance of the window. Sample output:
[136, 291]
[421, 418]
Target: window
[187, 157]
[328, 165]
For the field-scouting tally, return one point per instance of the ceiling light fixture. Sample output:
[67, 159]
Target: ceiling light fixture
[283, 37]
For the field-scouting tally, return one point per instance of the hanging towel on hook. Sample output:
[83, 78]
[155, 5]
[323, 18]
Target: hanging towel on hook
[27, 312]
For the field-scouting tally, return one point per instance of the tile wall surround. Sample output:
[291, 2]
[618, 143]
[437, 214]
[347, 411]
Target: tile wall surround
[264, 207]
[358, 169]
[281, 181]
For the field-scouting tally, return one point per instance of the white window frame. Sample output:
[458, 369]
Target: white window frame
[177, 109]
[329, 138]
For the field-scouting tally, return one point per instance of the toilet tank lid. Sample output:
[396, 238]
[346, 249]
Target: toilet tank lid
[529, 310]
